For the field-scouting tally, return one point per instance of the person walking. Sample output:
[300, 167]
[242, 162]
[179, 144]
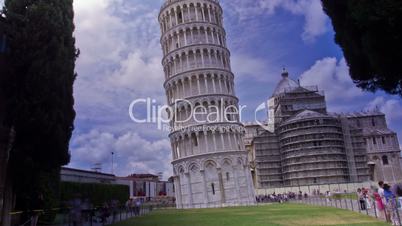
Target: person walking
[391, 206]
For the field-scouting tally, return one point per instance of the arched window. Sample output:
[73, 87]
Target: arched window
[227, 176]
[385, 160]
[213, 188]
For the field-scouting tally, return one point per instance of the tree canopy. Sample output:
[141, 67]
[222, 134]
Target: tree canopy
[39, 91]
[370, 35]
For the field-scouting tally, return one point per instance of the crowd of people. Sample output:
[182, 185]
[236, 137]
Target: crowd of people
[81, 210]
[280, 197]
[384, 200]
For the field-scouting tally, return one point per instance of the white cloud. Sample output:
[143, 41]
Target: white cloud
[98, 32]
[332, 76]
[119, 62]
[132, 152]
[247, 67]
[316, 22]
[391, 108]
[135, 71]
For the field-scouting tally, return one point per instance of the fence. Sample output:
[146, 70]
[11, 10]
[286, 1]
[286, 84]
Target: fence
[367, 207]
[309, 189]
[98, 216]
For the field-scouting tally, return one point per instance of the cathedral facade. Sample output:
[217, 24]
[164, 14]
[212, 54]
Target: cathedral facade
[210, 163]
[303, 144]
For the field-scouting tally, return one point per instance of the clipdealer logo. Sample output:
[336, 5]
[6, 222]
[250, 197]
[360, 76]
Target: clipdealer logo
[146, 110]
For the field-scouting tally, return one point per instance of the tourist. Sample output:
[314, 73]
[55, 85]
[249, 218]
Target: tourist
[379, 204]
[105, 213]
[137, 207]
[76, 210]
[361, 198]
[328, 196]
[381, 189]
[128, 205]
[390, 205]
[367, 197]
[114, 204]
[87, 211]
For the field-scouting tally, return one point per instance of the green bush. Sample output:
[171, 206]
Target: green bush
[96, 193]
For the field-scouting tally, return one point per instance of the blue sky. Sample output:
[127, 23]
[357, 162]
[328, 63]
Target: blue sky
[120, 61]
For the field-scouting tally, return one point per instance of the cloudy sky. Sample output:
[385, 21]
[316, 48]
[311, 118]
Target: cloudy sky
[120, 61]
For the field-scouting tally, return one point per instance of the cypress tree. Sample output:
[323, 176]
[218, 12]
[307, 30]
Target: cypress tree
[40, 95]
[370, 35]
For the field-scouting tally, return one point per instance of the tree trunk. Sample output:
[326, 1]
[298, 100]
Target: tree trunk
[6, 184]
[7, 203]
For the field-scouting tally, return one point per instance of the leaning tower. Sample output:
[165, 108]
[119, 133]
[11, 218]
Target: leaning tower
[209, 157]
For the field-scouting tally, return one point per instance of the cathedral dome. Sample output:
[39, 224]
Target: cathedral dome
[307, 114]
[286, 84]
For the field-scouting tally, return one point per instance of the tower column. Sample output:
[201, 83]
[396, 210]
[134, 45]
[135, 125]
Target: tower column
[190, 192]
[206, 141]
[176, 16]
[209, 14]
[192, 36]
[220, 84]
[190, 80]
[208, 70]
[205, 190]
[198, 85]
[178, 193]
[185, 37]
[188, 61]
[236, 180]
[223, 141]
[206, 83]
[229, 134]
[214, 141]
[213, 83]
[196, 12]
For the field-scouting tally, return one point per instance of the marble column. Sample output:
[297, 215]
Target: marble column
[205, 190]
[190, 192]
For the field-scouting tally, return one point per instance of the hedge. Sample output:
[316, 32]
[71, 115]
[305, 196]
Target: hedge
[96, 193]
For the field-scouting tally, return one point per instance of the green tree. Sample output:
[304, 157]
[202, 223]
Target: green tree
[39, 91]
[370, 35]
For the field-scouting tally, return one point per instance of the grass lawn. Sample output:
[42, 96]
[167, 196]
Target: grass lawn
[275, 214]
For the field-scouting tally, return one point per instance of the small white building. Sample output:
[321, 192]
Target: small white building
[85, 176]
[148, 186]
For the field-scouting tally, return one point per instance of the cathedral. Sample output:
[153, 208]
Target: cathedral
[303, 144]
